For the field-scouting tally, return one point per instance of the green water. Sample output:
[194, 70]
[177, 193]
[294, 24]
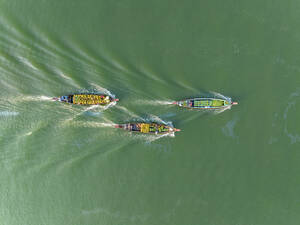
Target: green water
[63, 164]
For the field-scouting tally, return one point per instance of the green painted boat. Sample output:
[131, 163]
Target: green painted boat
[205, 103]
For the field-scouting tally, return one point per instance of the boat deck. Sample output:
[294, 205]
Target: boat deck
[90, 99]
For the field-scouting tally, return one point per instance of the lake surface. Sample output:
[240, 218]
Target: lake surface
[64, 164]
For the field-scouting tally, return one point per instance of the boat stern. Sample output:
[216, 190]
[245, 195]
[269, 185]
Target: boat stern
[64, 98]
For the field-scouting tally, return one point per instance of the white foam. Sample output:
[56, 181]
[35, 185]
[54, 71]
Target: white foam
[35, 98]
[28, 134]
[153, 102]
[102, 90]
[221, 96]
[27, 62]
[67, 78]
[152, 137]
[8, 113]
[91, 124]
[154, 118]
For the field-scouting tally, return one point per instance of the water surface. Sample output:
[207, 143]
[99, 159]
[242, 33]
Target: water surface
[62, 164]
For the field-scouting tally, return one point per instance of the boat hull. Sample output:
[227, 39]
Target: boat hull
[147, 128]
[87, 99]
[205, 103]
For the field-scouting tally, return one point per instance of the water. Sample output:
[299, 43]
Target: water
[64, 164]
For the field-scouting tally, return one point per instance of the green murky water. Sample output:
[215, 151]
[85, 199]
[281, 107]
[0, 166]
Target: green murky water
[62, 164]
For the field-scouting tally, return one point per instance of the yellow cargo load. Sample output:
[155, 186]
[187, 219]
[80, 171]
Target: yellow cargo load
[91, 99]
[145, 128]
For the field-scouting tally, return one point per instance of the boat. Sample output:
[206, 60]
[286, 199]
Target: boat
[148, 128]
[205, 103]
[87, 99]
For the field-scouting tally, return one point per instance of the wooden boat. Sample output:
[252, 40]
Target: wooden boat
[205, 103]
[148, 128]
[87, 99]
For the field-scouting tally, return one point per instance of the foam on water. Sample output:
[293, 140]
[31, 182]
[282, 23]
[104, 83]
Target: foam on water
[228, 130]
[294, 137]
[66, 77]
[148, 138]
[91, 124]
[218, 111]
[154, 118]
[28, 133]
[8, 113]
[185, 86]
[216, 94]
[34, 98]
[153, 102]
[27, 62]
[130, 113]
[102, 90]
[90, 108]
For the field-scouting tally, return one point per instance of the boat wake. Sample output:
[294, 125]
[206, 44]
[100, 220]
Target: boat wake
[228, 129]
[34, 98]
[130, 113]
[8, 113]
[90, 109]
[27, 62]
[154, 118]
[108, 106]
[216, 94]
[218, 111]
[150, 138]
[102, 90]
[90, 124]
[153, 102]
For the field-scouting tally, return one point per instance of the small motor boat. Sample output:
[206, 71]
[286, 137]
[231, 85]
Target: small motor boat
[87, 99]
[205, 103]
[148, 128]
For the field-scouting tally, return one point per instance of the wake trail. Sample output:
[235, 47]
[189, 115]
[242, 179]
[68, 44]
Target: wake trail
[218, 111]
[8, 113]
[91, 124]
[130, 113]
[102, 90]
[153, 102]
[33, 98]
[216, 94]
[151, 137]
[154, 118]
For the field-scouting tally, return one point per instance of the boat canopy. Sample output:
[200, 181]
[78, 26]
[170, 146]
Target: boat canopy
[207, 103]
[202, 103]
